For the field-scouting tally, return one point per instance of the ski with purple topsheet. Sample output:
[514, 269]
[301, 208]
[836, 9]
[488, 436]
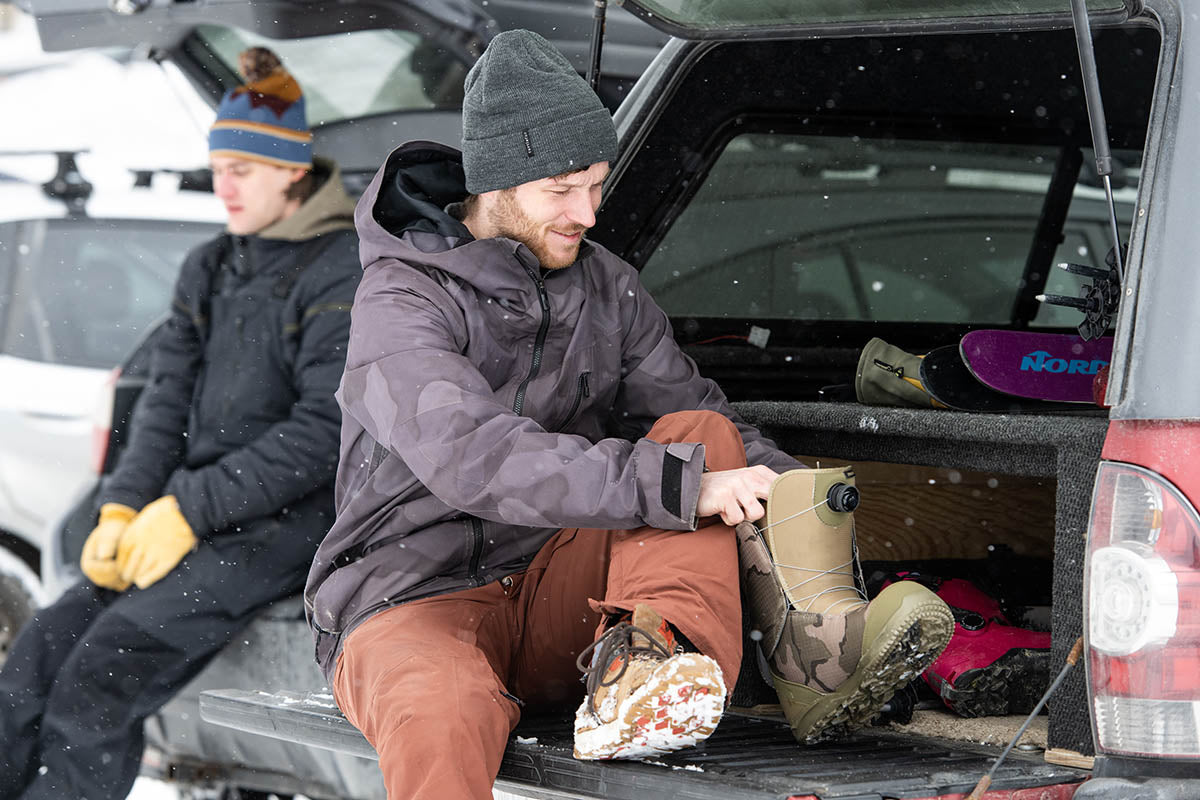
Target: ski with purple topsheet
[1056, 367]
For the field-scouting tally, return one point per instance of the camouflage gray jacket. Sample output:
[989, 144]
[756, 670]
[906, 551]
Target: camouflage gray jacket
[487, 403]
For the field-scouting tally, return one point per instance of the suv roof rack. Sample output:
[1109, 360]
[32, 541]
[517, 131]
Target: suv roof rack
[68, 183]
[190, 180]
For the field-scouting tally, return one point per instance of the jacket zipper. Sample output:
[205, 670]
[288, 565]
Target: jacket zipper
[538, 344]
[475, 530]
[362, 614]
[581, 392]
[378, 454]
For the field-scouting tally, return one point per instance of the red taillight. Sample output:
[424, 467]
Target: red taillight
[102, 421]
[1142, 606]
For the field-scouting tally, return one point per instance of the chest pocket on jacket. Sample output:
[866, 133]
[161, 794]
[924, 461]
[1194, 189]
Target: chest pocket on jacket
[586, 388]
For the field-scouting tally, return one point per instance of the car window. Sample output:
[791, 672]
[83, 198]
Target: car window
[403, 72]
[845, 228]
[85, 290]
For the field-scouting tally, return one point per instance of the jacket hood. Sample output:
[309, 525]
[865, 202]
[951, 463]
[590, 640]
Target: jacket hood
[327, 209]
[403, 215]
[407, 200]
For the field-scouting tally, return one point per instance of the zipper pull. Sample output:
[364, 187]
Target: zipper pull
[583, 384]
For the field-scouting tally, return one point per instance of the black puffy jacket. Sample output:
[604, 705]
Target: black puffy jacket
[239, 420]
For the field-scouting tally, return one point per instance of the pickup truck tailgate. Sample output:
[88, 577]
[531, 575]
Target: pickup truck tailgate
[747, 758]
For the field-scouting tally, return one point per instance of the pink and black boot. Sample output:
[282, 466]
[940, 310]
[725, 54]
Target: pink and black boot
[990, 667]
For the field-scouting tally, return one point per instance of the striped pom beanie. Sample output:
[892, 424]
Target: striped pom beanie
[264, 119]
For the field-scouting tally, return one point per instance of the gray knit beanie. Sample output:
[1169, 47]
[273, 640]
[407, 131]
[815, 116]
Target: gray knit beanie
[528, 115]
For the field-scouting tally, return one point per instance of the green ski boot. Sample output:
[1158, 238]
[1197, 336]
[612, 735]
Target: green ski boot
[834, 658]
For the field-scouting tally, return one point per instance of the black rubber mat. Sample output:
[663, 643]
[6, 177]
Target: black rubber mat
[747, 758]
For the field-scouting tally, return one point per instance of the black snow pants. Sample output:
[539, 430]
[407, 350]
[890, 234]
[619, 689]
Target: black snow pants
[86, 671]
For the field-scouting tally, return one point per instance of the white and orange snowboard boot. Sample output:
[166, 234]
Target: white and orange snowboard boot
[645, 695]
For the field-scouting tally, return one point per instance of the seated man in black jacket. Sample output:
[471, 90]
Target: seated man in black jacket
[226, 488]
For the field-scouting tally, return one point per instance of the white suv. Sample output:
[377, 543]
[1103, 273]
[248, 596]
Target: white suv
[84, 272]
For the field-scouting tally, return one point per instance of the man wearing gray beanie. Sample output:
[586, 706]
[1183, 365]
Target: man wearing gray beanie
[527, 115]
[534, 480]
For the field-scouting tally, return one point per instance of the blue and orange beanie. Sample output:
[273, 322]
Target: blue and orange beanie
[264, 119]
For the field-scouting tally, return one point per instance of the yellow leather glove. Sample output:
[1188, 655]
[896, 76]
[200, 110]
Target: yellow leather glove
[99, 559]
[157, 539]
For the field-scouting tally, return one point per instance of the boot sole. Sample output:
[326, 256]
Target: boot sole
[911, 638]
[679, 706]
[1012, 684]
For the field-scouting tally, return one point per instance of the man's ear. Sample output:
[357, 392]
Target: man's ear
[300, 183]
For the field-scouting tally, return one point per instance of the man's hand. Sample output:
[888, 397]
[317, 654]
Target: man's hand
[157, 539]
[735, 493]
[99, 559]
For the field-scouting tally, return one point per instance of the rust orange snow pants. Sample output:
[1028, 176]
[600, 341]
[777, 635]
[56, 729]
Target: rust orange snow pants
[430, 683]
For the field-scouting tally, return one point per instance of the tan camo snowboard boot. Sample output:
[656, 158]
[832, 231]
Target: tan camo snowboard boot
[645, 695]
[835, 659]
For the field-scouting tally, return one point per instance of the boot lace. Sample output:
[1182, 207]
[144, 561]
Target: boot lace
[852, 569]
[614, 643]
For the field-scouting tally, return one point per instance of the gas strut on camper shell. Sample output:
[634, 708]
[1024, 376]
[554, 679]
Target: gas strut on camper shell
[598, 15]
[1101, 296]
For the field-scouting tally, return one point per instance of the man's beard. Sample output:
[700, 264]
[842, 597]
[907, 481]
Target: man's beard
[508, 220]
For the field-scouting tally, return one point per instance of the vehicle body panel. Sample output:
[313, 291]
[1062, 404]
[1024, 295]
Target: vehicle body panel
[46, 416]
[1157, 333]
